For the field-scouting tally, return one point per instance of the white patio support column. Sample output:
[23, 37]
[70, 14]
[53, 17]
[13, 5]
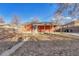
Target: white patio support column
[44, 28]
[53, 29]
[36, 30]
[50, 29]
[33, 28]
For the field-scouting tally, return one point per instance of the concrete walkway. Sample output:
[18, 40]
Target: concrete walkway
[76, 34]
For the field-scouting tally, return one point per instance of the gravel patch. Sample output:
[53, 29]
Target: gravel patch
[49, 48]
[5, 46]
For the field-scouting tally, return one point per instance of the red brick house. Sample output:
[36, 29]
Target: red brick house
[39, 27]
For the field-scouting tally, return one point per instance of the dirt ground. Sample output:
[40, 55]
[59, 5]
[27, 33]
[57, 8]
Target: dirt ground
[49, 48]
[7, 39]
[6, 45]
[55, 46]
[45, 44]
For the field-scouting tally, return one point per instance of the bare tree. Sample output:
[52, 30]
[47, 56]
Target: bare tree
[72, 9]
[1, 19]
[75, 11]
[35, 20]
[15, 20]
[58, 17]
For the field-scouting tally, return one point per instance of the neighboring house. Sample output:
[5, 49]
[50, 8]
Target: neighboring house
[71, 27]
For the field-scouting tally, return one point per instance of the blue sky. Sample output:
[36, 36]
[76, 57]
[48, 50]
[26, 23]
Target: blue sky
[27, 11]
